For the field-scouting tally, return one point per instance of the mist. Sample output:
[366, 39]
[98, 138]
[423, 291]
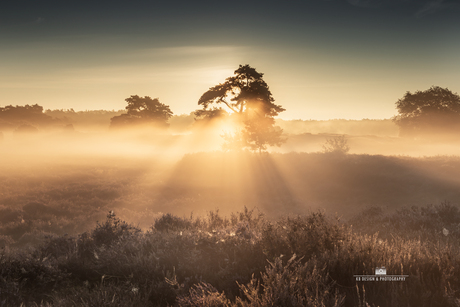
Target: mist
[182, 169]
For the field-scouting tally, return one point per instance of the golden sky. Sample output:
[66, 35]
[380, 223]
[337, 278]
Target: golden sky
[322, 59]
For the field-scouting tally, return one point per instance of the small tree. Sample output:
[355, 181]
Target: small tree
[141, 111]
[336, 145]
[434, 111]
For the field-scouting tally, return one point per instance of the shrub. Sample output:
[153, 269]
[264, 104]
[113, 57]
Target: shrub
[169, 222]
[112, 230]
[203, 295]
[292, 284]
[336, 145]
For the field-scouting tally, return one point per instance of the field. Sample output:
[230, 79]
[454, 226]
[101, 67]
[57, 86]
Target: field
[139, 219]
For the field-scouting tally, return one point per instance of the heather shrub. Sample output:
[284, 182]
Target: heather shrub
[427, 223]
[26, 279]
[5, 241]
[169, 222]
[432, 268]
[292, 284]
[112, 230]
[305, 236]
[203, 295]
[8, 215]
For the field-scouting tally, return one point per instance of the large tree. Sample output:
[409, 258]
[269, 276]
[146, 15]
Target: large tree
[247, 96]
[142, 111]
[434, 111]
[242, 93]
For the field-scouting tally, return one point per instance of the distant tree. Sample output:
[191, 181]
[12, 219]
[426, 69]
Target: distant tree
[247, 96]
[141, 111]
[336, 145]
[434, 111]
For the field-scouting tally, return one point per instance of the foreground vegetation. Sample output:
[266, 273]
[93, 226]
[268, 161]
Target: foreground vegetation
[244, 260]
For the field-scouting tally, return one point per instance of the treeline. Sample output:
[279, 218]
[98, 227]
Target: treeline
[249, 104]
[12, 117]
[17, 118]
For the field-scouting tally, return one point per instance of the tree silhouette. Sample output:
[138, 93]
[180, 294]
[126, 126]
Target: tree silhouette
[244, 91]
[247, 96]
[434, 111]
[142, 111]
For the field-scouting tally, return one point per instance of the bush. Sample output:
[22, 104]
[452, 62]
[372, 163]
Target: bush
[169, 222]
[203, 295]
[293, 285]
[336, 145]
[112, 230]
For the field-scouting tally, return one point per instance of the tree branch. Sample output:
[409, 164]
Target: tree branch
[226, 103]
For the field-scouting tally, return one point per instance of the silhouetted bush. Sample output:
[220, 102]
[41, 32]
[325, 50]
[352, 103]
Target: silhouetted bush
[112, 230]
[170, 222]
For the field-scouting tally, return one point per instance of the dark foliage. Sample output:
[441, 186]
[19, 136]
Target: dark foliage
[434, 111]
[143, 111]
[171, 222]
[25, 119]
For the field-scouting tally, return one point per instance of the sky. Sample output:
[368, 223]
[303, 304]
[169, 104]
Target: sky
[322, 59]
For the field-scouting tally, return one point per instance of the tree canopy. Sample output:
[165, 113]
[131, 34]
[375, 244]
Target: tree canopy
[244, 92]
[143, 110]
[247, 96]
[433, 111]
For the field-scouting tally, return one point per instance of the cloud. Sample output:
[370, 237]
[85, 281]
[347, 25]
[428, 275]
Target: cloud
[39, 20]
